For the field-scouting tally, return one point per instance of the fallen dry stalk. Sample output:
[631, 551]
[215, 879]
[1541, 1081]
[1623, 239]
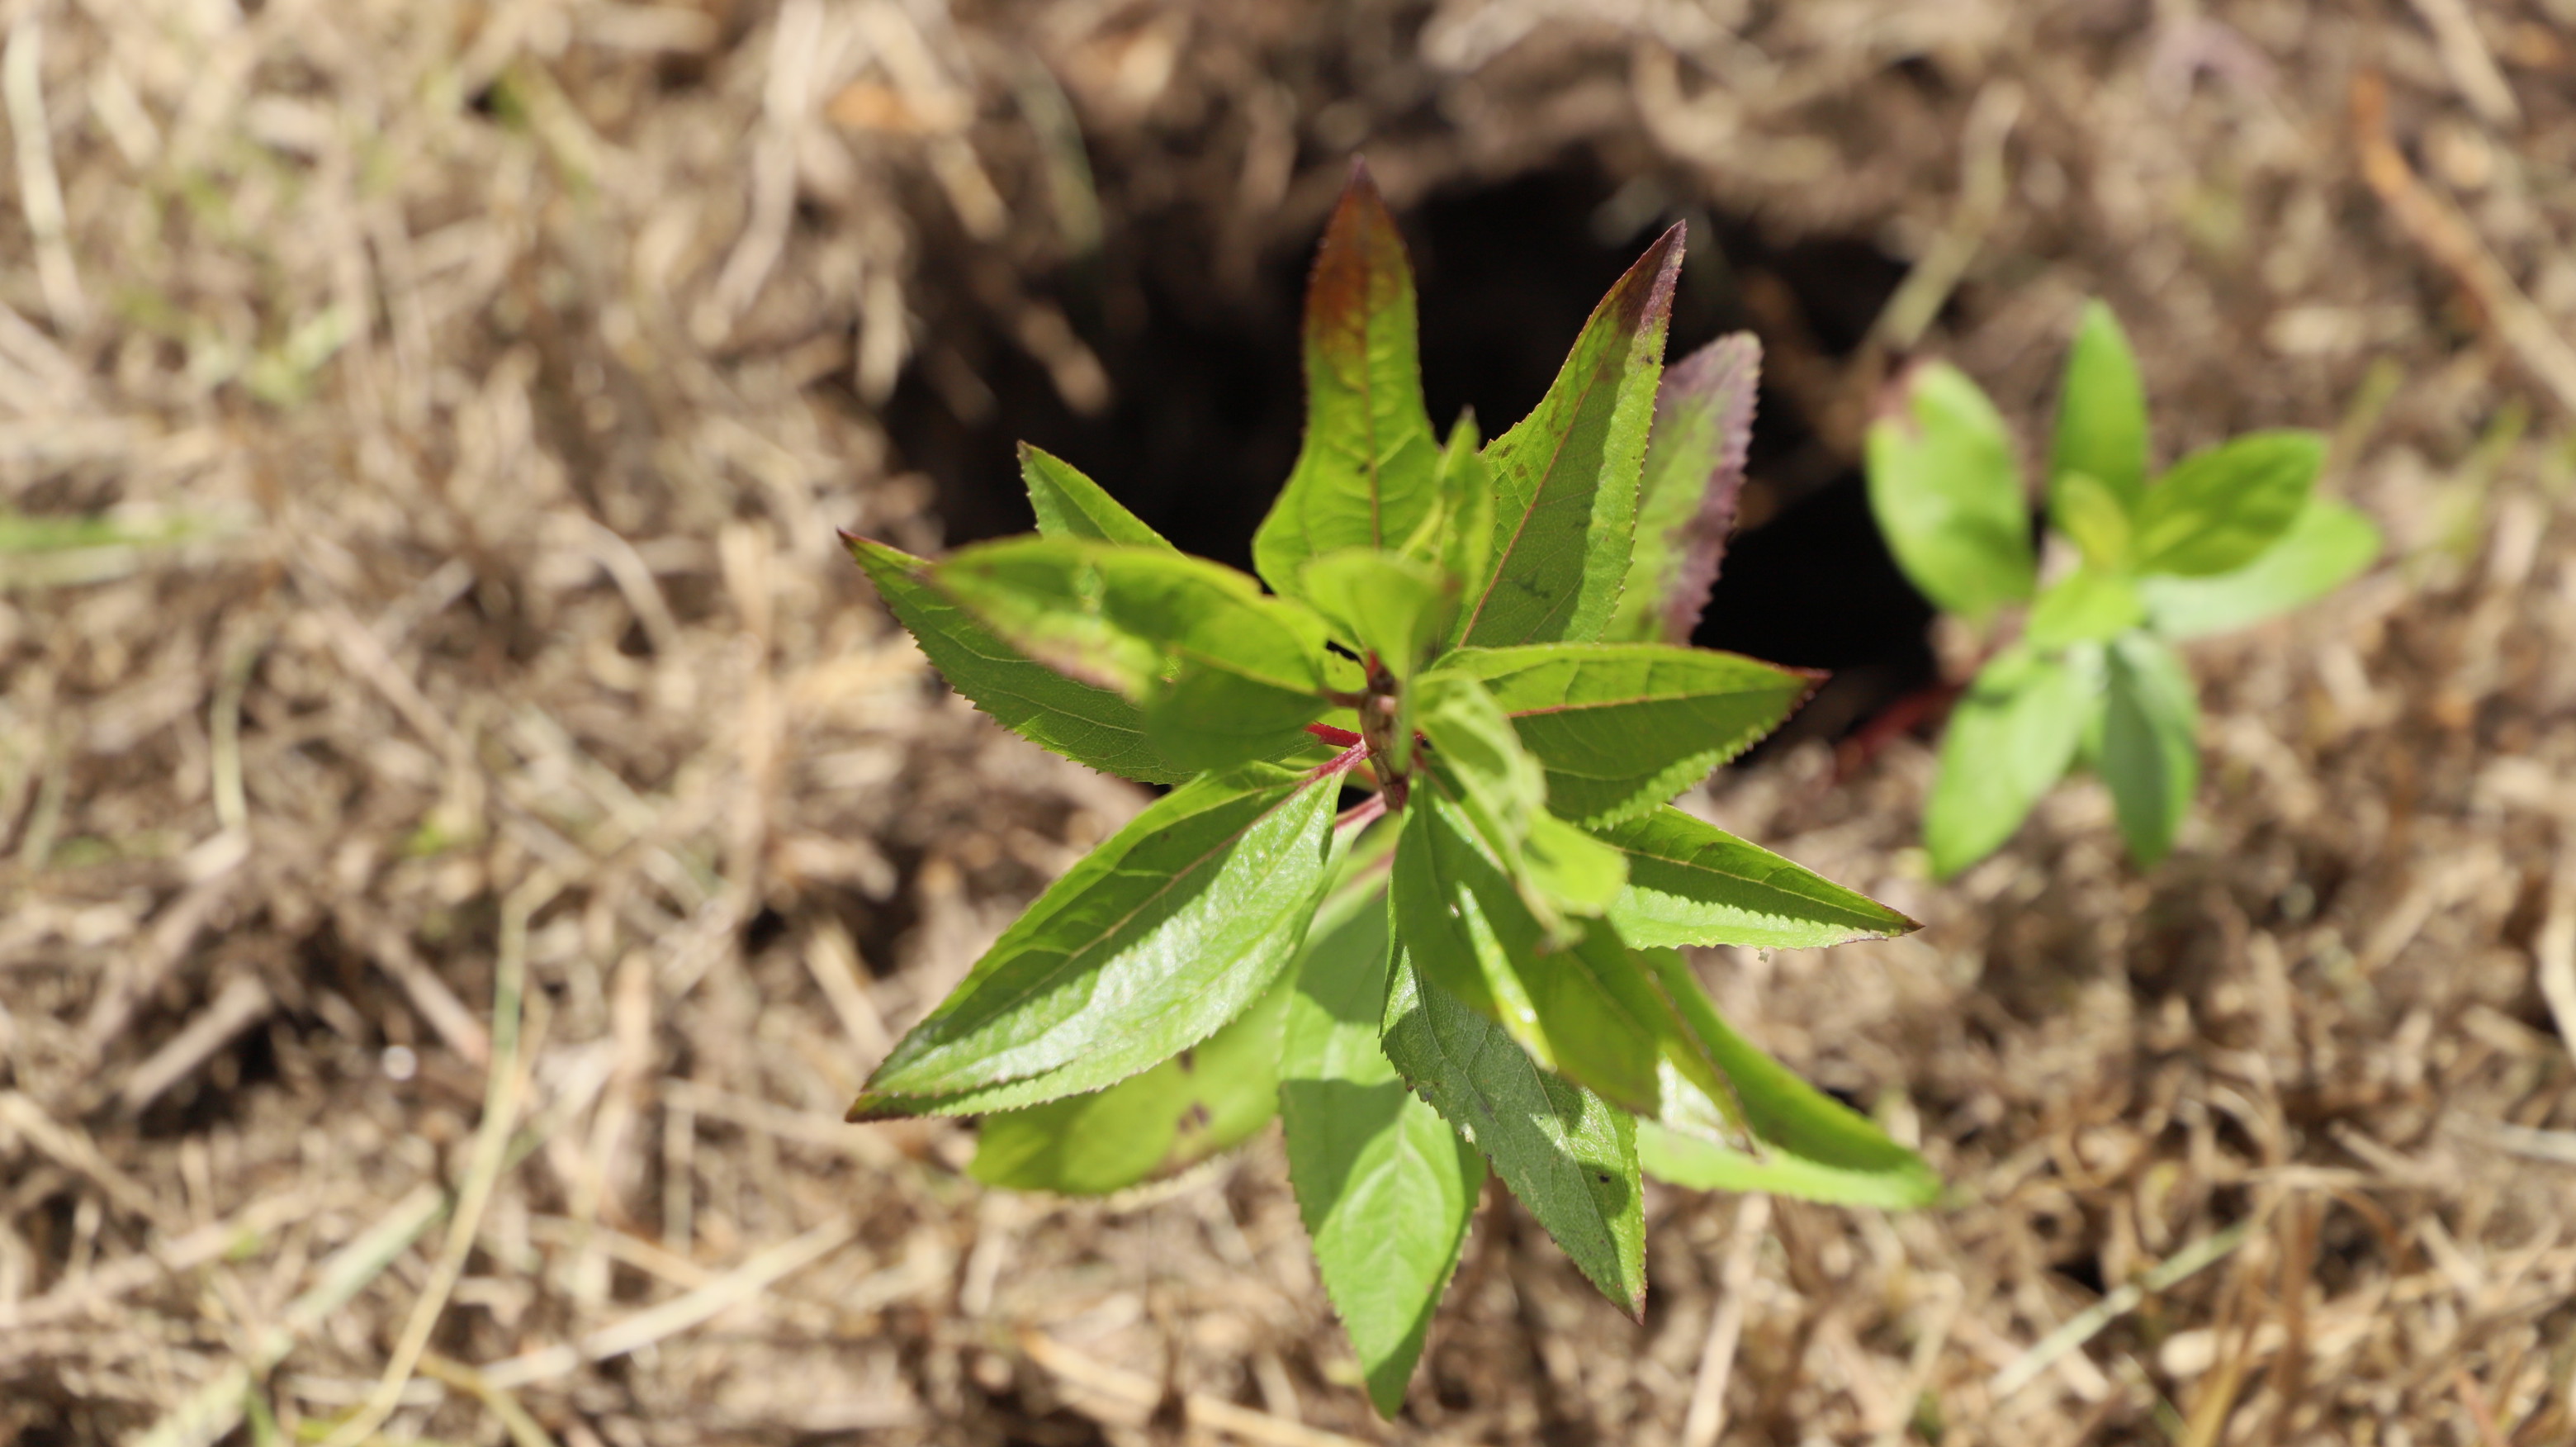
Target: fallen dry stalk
[2433, 224]
[1138, 1392]
[73, 1148]
[2553, 948]
[245, 1002]
[677, 1315]
[524, 1430]
[40, 187]
[1985, 180]
[216, 1408]
[2088, 1323]
[1705, 1418]
[507, 1083]
[438, 1005]
[96, 1289]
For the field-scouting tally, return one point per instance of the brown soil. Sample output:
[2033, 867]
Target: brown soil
[464, 395]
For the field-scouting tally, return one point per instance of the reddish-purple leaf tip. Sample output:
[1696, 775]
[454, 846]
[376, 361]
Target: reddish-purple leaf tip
[1362, 252]
[1723, 377]
[1663, 261]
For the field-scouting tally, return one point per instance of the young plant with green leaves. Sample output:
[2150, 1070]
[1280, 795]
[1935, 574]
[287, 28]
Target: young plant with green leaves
[2086, 674]
[1475, 966]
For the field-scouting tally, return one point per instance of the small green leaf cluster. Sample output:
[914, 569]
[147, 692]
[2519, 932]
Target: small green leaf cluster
[2226, 537]
[1476, 966]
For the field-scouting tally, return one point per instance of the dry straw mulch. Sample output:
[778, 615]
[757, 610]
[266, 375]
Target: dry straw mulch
[467, 832]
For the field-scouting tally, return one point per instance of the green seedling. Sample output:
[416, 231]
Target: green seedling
[2224, 538]
[1476, 965]
[52, 552]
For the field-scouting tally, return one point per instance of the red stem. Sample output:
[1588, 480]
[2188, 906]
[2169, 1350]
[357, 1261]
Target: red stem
[1339, 764]
[1339, 738]
[1363, 812]
[1900, 717]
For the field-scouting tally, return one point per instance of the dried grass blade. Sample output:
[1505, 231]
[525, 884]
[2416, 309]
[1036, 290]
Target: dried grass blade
[40, 186]
[1706, 1417]
[2553, 950]
[73, 1149]
[506, 1084]
[133, 1273]
[2437, 227]
[678, 1314]
[2084, 1325]
[217, 1407]
[1134, 1390]
[243, 1003]
[523, 1429]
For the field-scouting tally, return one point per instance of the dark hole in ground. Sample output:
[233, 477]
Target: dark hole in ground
[2084, 1268]
[219, 1094]
[1209, 399]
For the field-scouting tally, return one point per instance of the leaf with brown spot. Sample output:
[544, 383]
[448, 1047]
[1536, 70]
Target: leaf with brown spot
[1366, 474]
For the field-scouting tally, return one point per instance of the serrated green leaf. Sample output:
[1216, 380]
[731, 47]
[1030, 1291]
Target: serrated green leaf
[2150, 744]
[1149, 944]
[1365, 475]
[1480, 766]
[1070, 505]
[1368, 856]
[2102, 413]
[1123, 616]
[1571, 870]
[1622, 728]
[1694, 471]
[1212, 717]
[1608, 1015]
[1692, 883]
[1947, 495]
[1458, 912]
[2093, 518]
[2011, 737]
[1816, 1147]
[1392, 608]
[2218, 509]
[1386, 1188]
[1091, 726]
[2085, 606]
[1457, 535]
[1499, 785]
[2325, 548]
[1566, 478]
[1569, 1001]
[1569, 1155]
[1201, 1101]
[1224, 673]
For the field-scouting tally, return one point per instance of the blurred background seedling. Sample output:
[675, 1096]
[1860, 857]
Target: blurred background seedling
[2078, 666]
